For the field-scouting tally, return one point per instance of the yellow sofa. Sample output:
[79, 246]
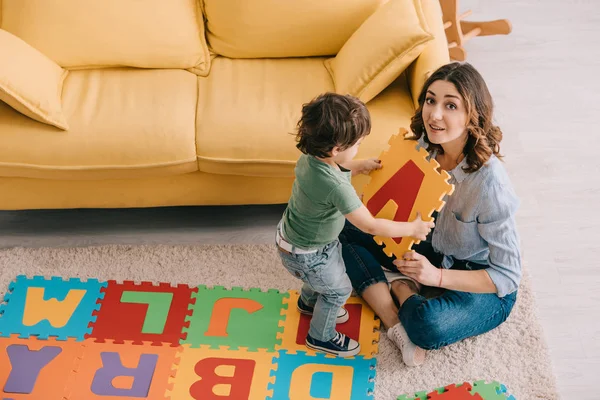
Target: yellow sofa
[126, 103]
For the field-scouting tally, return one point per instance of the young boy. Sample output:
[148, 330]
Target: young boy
[330, 130]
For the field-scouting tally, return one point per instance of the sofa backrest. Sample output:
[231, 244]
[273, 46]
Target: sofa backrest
[106, 33]
[282, 28]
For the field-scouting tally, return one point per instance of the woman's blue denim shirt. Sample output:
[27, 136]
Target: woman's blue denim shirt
[478, 225]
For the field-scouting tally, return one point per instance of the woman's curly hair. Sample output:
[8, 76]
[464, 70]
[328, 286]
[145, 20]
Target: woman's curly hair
[483, 136]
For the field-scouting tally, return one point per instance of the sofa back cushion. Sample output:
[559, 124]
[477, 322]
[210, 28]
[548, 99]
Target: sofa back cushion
[381, 49]
[105, 33]
[283, 28]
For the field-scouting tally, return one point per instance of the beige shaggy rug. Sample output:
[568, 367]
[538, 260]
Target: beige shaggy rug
[514, 354]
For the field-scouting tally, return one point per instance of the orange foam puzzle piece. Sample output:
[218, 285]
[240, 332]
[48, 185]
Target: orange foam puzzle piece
[130, 356]
[53, 375]
[205, 372]
[406, 184]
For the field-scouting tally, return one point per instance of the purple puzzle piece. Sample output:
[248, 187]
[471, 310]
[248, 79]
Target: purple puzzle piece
[112, 368]
[26, 366]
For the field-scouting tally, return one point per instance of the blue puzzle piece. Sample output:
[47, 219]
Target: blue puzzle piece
[12, 311]
[321, 385]
[322, 382]
[504, 390]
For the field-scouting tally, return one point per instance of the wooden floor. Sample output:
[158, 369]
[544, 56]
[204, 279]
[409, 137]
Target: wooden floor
[544, 77]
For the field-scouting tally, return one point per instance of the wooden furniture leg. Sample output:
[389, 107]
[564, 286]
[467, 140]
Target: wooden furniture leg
[458, 32]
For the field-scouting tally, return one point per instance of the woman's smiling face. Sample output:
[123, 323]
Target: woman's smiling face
[444, 113]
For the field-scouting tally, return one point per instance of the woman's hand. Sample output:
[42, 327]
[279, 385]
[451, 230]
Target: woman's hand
[418, 267]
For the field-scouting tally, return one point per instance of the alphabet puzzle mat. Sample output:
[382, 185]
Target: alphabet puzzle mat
[479, 390]
[88, 340]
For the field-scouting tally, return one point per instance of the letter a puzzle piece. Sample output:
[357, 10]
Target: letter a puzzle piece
[49, 307]
[406, 184]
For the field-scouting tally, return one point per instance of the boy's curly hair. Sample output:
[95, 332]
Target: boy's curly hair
[331, 120]
[483, 136]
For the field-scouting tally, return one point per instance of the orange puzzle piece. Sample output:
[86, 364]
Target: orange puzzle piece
[40, 367]
[406, 184]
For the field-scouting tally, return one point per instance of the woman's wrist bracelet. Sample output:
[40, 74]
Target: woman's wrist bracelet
[441, 275]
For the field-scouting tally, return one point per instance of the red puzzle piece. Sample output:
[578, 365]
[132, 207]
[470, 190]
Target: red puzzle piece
[403, 188]
[351, 328]
[123, 317]
[452, 392]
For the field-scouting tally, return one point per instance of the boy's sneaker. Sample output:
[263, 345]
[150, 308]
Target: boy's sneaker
[341, 345]
[342, 316]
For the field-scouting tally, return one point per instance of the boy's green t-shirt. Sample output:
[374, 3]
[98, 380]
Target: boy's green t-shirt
[321, 196]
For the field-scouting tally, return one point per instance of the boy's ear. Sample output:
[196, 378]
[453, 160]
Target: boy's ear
[335, 151]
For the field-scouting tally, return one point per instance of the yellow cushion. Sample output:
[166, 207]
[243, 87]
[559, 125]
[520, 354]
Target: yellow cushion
[92, 33]
[283, 28]
[124, 123]
[380, 50]
[30, 82]
[248, 110]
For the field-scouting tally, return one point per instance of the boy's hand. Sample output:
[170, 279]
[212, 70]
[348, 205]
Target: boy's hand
[366, 166]
[421, 228]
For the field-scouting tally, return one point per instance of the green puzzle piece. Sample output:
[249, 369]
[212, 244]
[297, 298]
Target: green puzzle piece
[159, 305]
[488, 391]
[235, 318]
[419, 395]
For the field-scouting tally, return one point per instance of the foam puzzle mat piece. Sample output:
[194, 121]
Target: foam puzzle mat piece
[490, 391]
[406, 184]
[362, 326]
[221, 317]
[206, 373]
[417, 396]
[455, 392]
[142, 313]
[37, 369]
[122, 371]
[50, 307]
[316, 375]
[479, 390]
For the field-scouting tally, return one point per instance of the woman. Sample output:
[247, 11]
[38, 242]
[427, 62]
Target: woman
[473, 252]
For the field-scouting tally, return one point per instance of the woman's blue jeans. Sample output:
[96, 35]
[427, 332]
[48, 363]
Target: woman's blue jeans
[430, 323]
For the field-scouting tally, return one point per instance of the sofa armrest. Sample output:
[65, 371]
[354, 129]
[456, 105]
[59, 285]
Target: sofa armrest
[435, 53]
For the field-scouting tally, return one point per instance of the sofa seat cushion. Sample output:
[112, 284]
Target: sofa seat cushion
[248, 111]
[124, 123]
